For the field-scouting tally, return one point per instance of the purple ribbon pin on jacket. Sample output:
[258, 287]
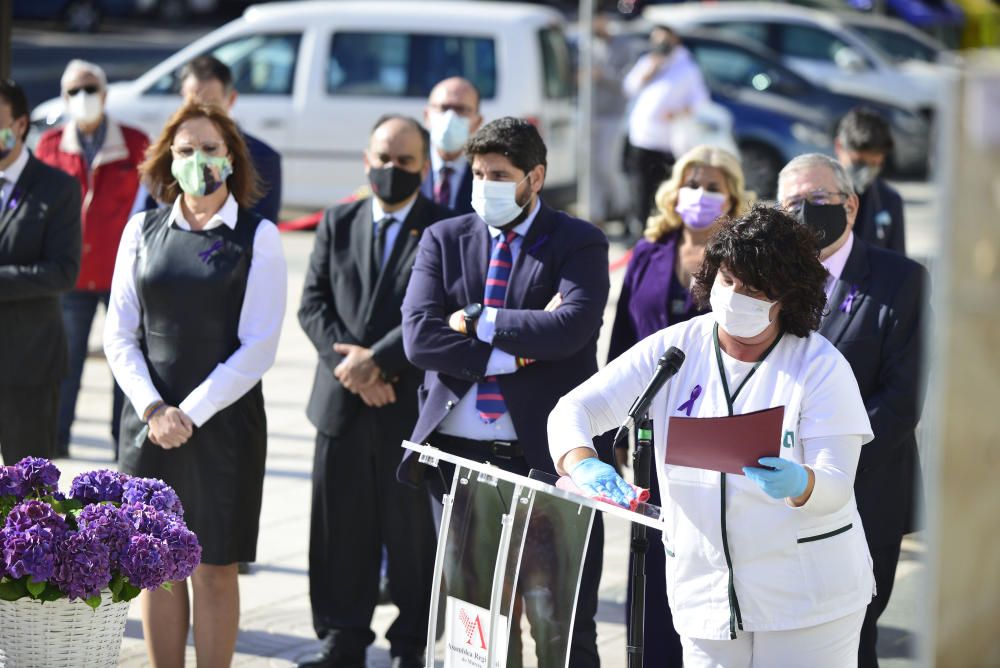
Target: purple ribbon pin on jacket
[206, 255]
[689, 404]
[15, 198]
[848, 303]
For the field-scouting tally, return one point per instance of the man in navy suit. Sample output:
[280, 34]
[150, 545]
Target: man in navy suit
[863, 143]
[876, 305]
[502, 312]
[452, 116]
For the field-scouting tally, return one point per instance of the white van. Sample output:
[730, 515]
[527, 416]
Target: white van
[314, 76]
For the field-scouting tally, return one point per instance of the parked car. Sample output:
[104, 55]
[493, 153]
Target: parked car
[900, 41]
[314, 76]
[821, 46]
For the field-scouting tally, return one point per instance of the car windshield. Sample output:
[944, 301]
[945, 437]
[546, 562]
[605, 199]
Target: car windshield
[724, 64]
[898, 44]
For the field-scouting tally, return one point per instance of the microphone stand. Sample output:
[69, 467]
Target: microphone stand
[641, 460]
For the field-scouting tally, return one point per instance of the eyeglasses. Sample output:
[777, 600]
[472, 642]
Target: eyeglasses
[460, 109]
[89, 89]
[209, 149]
[816, 198]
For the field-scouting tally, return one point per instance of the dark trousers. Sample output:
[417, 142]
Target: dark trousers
[647, 169]
[661, 643]
[884, 560]
[78, 309]
[28, 421]
[583, 646]
[358, 507]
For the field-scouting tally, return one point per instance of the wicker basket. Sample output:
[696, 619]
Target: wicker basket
[61, 634]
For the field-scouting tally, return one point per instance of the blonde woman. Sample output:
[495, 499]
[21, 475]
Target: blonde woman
[706, 185]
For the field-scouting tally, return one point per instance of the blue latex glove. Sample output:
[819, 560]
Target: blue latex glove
[597, 478]
[788, 479]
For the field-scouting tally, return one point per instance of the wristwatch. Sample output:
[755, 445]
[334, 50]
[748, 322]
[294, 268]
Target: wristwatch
[471, 315]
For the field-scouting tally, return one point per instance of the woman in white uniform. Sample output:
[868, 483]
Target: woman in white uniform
[771, 568]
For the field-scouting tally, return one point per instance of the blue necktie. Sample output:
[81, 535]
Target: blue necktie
[489, 398]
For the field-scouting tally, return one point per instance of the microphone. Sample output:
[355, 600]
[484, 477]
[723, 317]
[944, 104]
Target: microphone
[668, 365]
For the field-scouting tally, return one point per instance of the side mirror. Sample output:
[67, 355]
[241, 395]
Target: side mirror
[848, 59]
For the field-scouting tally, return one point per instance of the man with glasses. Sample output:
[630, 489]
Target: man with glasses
[452, 116]
[876, 304]
[103, 156]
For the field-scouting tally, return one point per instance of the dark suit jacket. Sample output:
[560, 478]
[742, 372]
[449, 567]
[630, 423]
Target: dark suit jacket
[267, 162]
[880, 217]
[463, 200]
[39, 260]
[559, 254]
[345, 300]
[880, 332]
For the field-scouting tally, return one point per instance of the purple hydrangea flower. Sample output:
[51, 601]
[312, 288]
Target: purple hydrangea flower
[28, 514]
[154, 492]
[146, 561]
[97, 486]
[11, 481]
[39, 474]
[184, 549]
[31, 552]
[83, 565]
[108, 525]
[144, 518]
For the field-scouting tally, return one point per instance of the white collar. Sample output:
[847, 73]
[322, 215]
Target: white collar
[522, 227]
[399, 214]
[437, 162]
[224, 216]
[114, 147]
[834, 264]
[13, 171]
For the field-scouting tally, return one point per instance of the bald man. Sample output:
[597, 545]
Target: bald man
[452, 116]
[364, 403]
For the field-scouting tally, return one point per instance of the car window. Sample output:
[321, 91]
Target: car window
[751, 30]
[736, 67]
[556, 64]
[261, 65]
[798, 41]
[898, 45]
[387, 64]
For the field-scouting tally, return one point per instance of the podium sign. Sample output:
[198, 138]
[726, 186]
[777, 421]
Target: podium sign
[509, 548]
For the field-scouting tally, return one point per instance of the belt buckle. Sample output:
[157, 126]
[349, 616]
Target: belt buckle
[502, 449]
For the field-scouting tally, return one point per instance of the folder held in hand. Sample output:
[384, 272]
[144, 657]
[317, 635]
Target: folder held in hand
[725, 444]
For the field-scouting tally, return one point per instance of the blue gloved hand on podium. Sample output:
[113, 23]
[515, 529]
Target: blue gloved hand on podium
[788, 479]
[599, 479]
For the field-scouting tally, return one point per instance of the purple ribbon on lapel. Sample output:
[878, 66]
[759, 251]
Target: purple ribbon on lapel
[848, 303]
[538, 244]
[206, 255]
[689, 404]
[15, 198]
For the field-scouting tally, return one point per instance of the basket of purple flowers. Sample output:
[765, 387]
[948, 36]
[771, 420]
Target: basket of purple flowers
[70, 564]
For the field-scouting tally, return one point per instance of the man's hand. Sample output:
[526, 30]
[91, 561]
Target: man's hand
[170, 428]
[358, 369]
[457, 321]
[378, 394]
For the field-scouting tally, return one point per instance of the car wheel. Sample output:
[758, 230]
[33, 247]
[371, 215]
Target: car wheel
[82, 16]
[761, 165]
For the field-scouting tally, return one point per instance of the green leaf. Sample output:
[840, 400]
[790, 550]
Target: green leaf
[35, 588]
[93, 601]
[11, 590]
[129, 591]
[116, 586]
[169, 586]
[51, 593]
[70, 505]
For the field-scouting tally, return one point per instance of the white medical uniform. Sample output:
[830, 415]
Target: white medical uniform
[737, 559]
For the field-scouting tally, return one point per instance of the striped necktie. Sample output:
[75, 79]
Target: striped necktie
[442, 188]
[489, 398]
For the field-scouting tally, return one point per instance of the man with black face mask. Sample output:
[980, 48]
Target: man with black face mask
[876, 305]
[364, 403]
[863, 143]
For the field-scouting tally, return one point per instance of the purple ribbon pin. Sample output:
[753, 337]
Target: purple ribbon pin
[848, 303]
[538, 244]
[689, 404]
[15, 198]
[206, 255]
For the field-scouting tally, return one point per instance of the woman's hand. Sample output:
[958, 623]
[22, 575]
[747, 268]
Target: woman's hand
[598, 479]
[787, 480]
[170, 428]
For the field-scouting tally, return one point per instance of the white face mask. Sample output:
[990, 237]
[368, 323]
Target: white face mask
[449, 131]
[496, 201]
[85, 107]
[738, 314]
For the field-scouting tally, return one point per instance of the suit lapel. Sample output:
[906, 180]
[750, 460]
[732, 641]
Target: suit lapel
[527, 264]
[475, 244]
[20, 192]
[850, 290]
[403, 248]
[362, 243]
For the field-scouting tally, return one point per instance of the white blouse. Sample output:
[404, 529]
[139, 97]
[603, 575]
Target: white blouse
[259, 327]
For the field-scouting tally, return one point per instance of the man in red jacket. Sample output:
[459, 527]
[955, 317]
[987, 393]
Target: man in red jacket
[103, 156]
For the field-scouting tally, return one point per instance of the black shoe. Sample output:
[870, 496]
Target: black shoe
[334, 657]
[408, 661]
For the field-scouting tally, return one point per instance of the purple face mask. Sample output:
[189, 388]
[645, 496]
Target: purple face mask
[699, 208]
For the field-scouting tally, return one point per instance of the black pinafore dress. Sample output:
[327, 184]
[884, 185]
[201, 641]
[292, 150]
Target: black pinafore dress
[190, 286]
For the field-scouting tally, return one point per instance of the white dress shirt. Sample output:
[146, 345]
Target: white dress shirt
[458, 166]
[464, 420]
[834, 266]
[259, 327]
[393, 230]
[9, 177]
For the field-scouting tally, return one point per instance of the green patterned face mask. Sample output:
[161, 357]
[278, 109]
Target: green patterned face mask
[199, 174]
[8, 140]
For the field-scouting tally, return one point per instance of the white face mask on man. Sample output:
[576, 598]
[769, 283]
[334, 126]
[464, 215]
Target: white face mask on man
[738, 314]
[85, 107]
[449, 131]
[496, 201]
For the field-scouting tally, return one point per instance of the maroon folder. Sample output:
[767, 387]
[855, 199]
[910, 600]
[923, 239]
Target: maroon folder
[725, 444]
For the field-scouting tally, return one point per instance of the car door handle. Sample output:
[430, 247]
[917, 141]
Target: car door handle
[272, 123]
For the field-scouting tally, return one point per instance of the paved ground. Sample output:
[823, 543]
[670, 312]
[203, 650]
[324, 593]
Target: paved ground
[275, 625]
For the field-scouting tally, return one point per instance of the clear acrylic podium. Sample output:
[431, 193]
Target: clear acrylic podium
[510, 548]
